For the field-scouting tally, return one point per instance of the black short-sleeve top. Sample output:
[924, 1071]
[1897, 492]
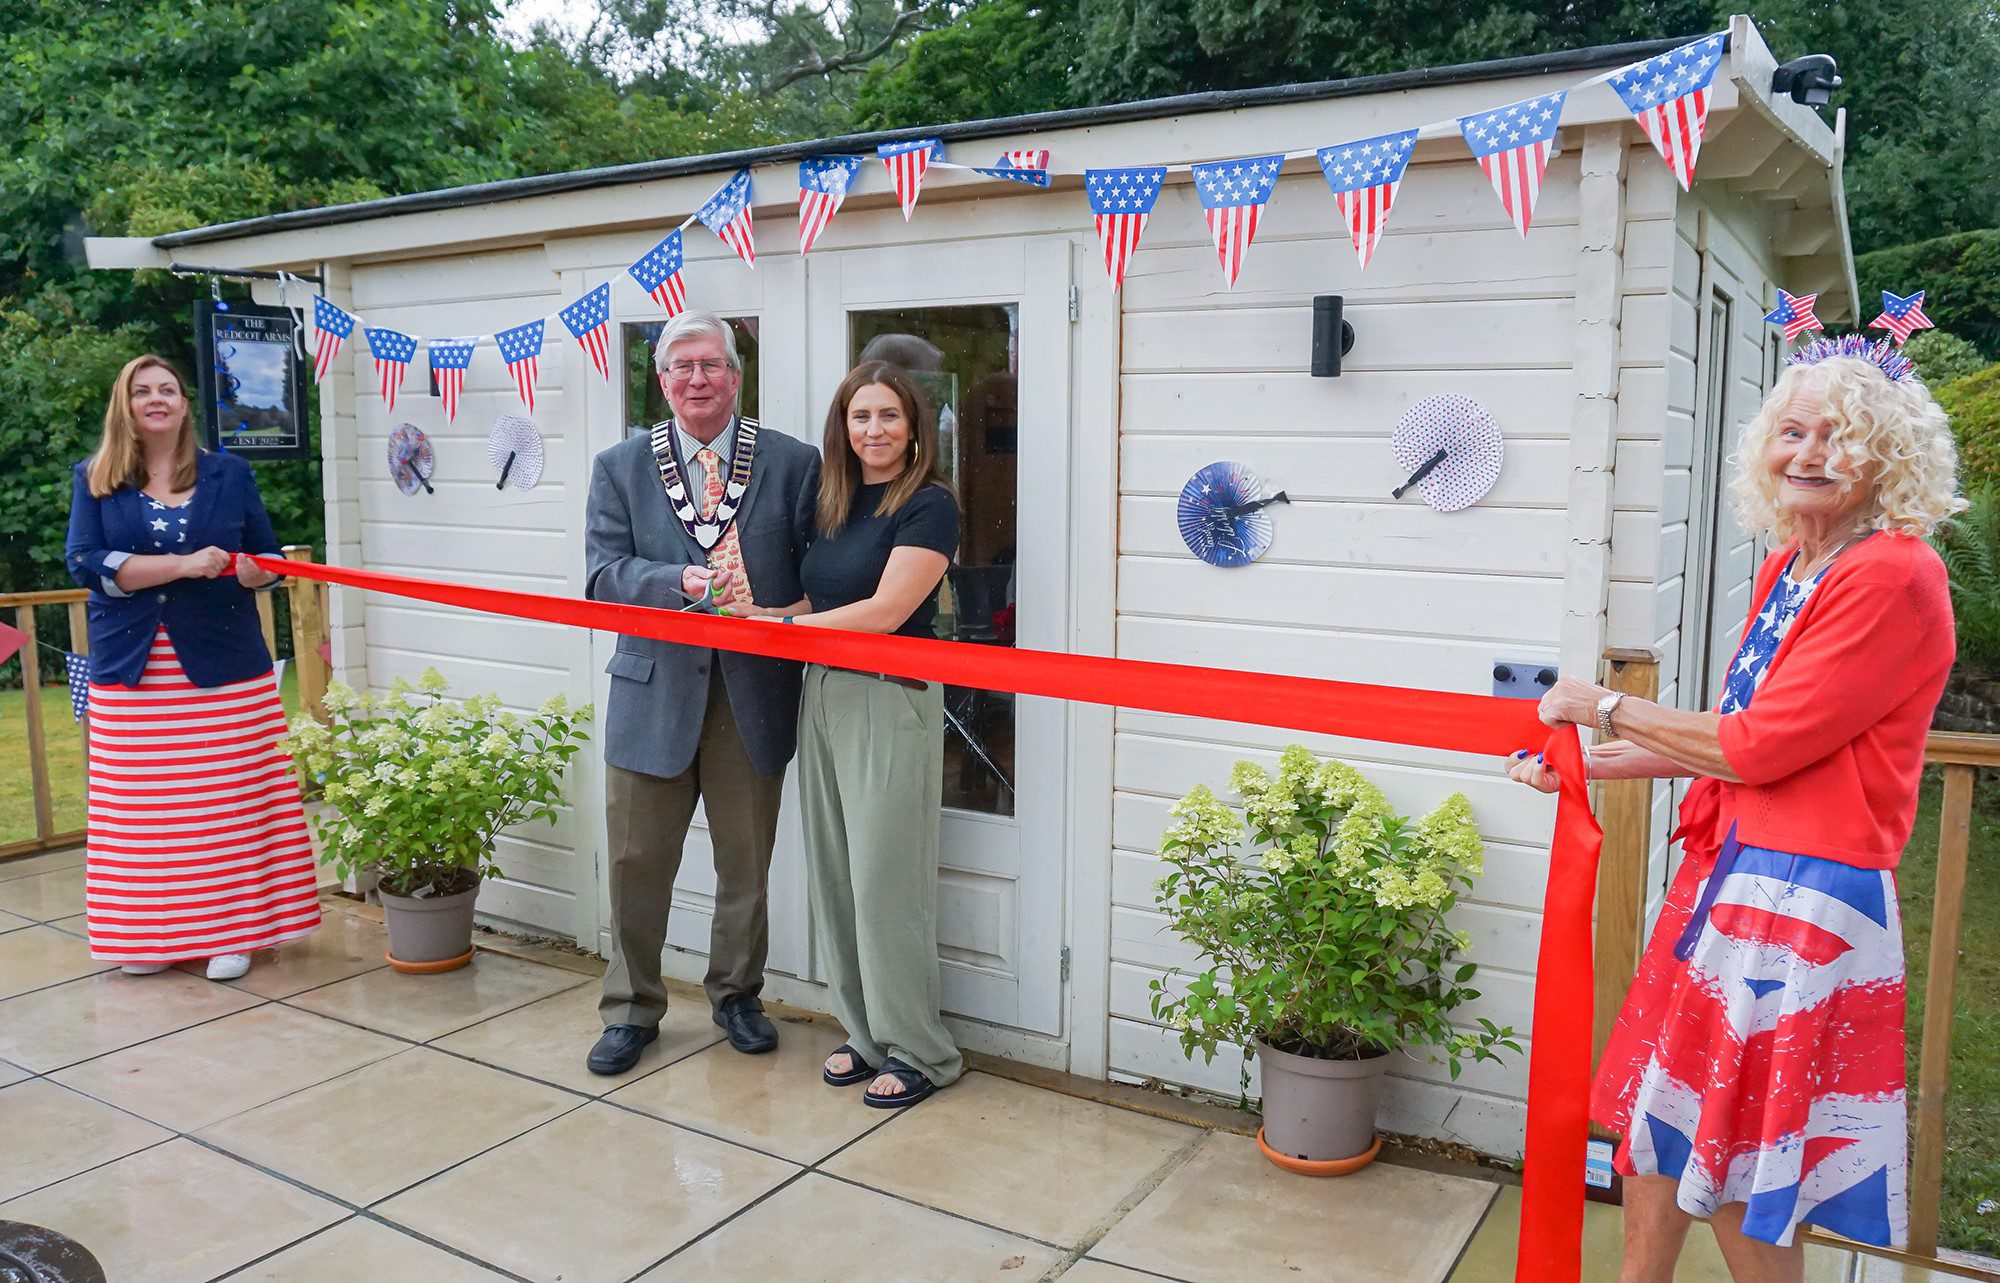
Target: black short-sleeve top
[845, 567]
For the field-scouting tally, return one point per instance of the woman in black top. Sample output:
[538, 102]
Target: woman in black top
[871, 748]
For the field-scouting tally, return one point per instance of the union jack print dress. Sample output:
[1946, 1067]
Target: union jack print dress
[1759, 1057]
[197, 841]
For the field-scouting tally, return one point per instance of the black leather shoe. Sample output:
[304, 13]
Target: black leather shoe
[618, 1048]
[750, 1030]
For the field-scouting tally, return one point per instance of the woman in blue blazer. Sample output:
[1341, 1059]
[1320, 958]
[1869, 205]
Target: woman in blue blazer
[196, 845]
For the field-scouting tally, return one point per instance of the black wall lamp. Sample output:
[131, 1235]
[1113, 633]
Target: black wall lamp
[1810, 80]
[1333, 337]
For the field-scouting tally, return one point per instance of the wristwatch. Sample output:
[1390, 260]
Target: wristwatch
[1607, 706]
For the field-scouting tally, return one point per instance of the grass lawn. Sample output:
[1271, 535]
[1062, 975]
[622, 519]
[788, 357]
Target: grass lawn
[1972, 1125]
[65, 746]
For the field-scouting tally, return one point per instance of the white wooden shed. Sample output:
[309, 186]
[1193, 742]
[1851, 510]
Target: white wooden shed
[1619, 346]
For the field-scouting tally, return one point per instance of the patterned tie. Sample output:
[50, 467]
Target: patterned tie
[727, 554]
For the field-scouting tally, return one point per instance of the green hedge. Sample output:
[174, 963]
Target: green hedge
[1973, 403]
[1960, 275]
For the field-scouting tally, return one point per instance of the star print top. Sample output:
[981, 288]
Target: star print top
[1766, 631]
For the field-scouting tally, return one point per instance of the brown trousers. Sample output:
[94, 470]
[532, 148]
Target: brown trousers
[647, 821]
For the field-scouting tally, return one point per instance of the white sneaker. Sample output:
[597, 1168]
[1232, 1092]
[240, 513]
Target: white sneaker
[228, 966]
[143, 968]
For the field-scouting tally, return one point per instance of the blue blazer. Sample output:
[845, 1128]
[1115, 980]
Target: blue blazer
[212, 622]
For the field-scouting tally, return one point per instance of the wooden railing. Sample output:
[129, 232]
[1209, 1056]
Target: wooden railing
[1624, 808]
[307, 599]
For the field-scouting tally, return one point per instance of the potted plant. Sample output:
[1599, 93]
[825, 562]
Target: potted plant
[418, 787]
[1322, 917]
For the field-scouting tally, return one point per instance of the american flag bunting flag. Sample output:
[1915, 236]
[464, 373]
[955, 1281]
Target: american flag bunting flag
[1794, 313]
[589, 319]
[77, 668]
[727, 214]
[1364, 177]
[1233, 194]
[1668, 95]
[331, 326]
[1030, 167]
[1513, 145]
[393, 351]
[449, 361]
[521, 349]
[907, 163]
[1902, 316]
[658, 272]
[823, 184]
[1121, 200]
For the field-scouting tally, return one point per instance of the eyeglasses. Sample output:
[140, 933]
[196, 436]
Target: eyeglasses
[713, 368]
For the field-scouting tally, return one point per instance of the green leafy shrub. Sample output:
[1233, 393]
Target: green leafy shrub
[1960, 277]
[420, 785]
[1942, 357]
[1325, 933]
[1973, 403]
[1970, 546]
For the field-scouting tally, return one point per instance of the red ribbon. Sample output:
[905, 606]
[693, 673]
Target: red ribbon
[1559, 1065]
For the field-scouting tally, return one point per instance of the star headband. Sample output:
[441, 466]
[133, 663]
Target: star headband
[1877, 352]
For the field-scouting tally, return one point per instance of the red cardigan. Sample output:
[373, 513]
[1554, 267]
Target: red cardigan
[1831, 747]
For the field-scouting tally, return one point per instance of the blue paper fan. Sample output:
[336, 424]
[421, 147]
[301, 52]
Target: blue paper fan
[411, 459]
[1222, 515]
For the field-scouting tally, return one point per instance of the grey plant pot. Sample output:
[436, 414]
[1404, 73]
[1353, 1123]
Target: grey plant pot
[427, 932]
[1320, 1111]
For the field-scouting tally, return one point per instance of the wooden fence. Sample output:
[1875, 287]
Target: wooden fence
[307, 599]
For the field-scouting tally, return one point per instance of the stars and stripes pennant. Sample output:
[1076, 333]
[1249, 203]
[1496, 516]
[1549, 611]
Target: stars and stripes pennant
[727, 214]
[907, 163]
[1233, 194]
[331, 326]
[658, 272]
[393, 351]
[1030, 167]
[589, 319]
[1121, 200]
[1364, 177]
[1668, 95]
[1513, 145]
[11, 640]
[1794, 314]
[823, 184]
[521, 349]
[77, 668]
[450, 358]
[1902, 316]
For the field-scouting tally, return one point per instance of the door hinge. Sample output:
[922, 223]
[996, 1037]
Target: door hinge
[1074, 308]
[1065, 962]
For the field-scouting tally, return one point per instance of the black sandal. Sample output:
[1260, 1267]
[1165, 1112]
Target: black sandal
[859, 1073]
[915, 1087]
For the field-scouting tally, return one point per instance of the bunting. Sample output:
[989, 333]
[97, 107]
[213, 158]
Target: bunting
[449, 361]
[588, 319]
[1513, 145]
[393, 351]
[1668, 96]
[823, 184]
[1364, 177]
[658, 272]
[521, 349]
[907, 163]
[1121, 200]
[727, 214]
[1030, 167]
[1233, 194]
[331, 326]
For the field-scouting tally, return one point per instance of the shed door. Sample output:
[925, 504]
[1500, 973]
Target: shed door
[984, 328]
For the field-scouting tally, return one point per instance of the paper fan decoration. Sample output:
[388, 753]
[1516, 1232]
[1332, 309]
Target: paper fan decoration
[411, 459]
[1451, 447]
[515, 448]
[1222, 515]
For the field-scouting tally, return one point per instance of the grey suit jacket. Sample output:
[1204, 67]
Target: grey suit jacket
[634, 552]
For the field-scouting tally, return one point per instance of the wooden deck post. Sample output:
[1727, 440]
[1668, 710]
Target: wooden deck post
[38, 752]
[1625, 810]
[308, 600]
[1940, 992]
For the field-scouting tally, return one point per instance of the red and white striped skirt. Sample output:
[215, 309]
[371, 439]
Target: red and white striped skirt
[197, 841]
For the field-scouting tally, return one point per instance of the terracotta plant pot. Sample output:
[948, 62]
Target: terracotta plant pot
[1319, 1115]
[430, 934]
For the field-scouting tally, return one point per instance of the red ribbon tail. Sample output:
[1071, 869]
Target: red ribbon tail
[1558, 1134]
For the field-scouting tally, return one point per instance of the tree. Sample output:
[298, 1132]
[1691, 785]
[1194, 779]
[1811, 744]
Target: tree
[1005, 58]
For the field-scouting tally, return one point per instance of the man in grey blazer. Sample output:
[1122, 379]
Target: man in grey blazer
[706, 510]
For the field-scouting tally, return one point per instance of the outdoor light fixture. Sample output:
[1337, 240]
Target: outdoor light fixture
[1810, 80]
[1333, 338]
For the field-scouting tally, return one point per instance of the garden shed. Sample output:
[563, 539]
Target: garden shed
[1618, 344]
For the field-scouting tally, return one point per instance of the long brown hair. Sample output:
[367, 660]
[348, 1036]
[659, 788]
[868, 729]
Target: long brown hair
[840, 467]
[118, 461]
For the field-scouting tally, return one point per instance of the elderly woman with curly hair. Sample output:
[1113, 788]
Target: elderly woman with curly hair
[1756, 1072]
